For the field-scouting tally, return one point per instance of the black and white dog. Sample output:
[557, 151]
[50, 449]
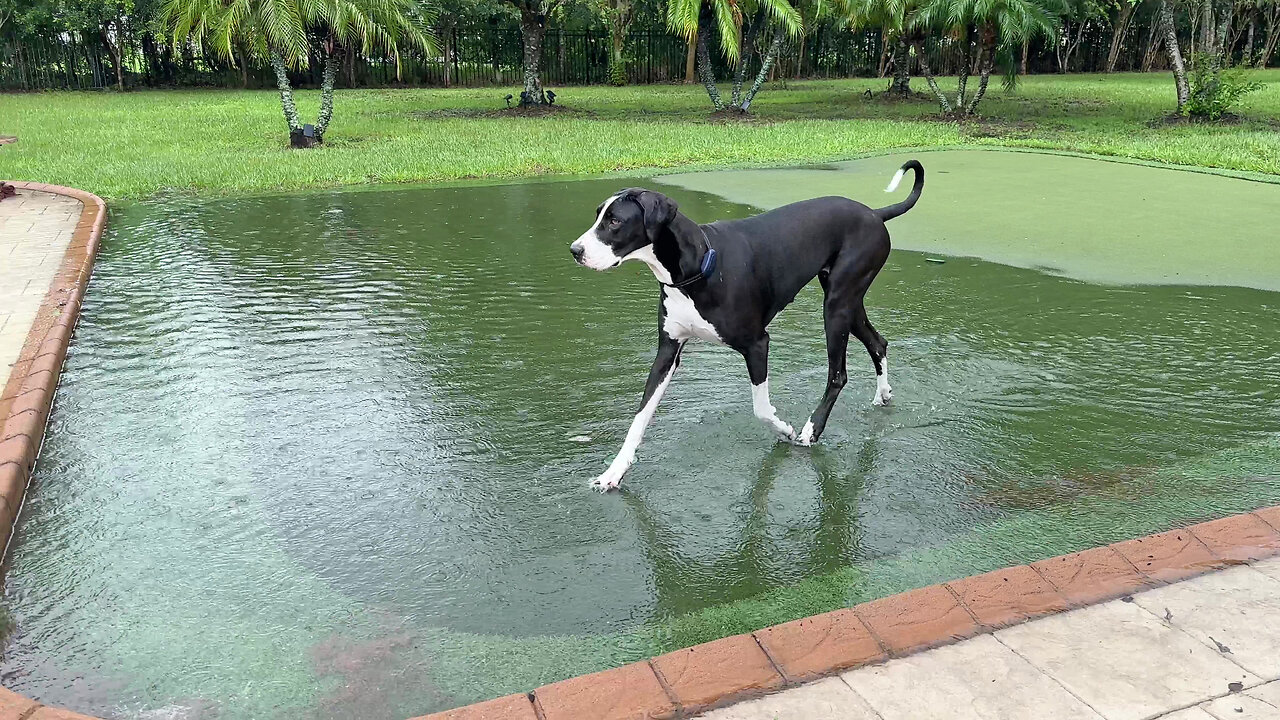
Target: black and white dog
[727, 280]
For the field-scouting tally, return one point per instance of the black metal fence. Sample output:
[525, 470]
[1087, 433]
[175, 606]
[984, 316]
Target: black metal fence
[492, 56]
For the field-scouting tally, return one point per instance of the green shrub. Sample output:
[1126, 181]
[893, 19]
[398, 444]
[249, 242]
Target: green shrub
[1215, 88]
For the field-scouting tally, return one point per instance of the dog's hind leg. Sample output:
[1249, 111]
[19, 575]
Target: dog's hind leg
[757, 357]
[836, 318]
[878, 349]
[664, 367]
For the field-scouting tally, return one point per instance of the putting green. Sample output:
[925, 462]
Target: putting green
[1106, 222]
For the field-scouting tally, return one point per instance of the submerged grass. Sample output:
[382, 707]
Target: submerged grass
[139, 144]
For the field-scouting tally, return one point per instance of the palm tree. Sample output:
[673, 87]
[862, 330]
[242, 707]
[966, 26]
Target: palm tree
[283, 31]
[891, 16]
[984, 28]
[693, 19]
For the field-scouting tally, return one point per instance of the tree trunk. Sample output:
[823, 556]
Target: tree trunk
[987, 57]
[1269, 47]
[943, 103]
[1062, 46]
[689, 58]
[1117, 37]
[331, 60]
[286, 93]
[244, 69]
[901, 85]
[114, 50]
[745, 48]
[533, 27]
[704, 67]
[765, 66]
[963, 80]
[882, 67]
[1026, 48]
[617, 65]
[1247, 57]
[621, 20]
[800, 57]
[1206, 25]
[1153, 43]
[449, 50]
[1175, 54]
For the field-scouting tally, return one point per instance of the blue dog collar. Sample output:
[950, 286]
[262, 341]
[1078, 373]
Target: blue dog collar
[708, 267]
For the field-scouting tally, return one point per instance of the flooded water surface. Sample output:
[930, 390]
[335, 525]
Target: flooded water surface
[328, 455]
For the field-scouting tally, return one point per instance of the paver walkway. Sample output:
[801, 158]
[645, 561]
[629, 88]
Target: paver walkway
[35, 229]
[1174, 652]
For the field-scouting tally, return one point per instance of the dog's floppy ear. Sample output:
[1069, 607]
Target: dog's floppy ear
[658, 209]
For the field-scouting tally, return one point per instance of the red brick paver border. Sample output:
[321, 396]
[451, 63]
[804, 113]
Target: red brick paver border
[726, 671]
[686, 682]
[28, 393]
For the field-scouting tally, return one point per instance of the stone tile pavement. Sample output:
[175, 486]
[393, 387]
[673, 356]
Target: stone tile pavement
[1207, 648]
[35, 229]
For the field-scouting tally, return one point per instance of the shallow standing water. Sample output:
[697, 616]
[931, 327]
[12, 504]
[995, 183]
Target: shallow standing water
[313, 456]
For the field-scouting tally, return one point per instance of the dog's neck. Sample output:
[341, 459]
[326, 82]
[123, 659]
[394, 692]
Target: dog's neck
[676, 254]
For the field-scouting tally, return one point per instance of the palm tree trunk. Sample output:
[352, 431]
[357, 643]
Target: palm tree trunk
[244, 68]
[901, 85]
[286, 92]
[326, 92]
[933, 84]
[744, 55]
[704, 68]
[1175, 54]
[1026, 48]
[1117, 37]
[533, 27]
[689, 58]
[765, 66]
[883, 66]
[963, 80]
[987, 56]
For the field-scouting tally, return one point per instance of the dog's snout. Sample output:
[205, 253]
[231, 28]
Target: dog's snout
[577, 251]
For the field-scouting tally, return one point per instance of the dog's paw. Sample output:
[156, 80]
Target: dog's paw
[608, 480]
[806, 435]
[883, 396]
[785, 432]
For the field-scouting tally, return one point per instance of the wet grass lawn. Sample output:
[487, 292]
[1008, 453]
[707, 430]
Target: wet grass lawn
[139, 144]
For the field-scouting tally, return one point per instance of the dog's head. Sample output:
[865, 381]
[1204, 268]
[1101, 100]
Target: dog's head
[625, 223]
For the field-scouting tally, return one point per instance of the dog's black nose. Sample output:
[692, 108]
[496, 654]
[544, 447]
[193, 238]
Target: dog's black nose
[576, 251]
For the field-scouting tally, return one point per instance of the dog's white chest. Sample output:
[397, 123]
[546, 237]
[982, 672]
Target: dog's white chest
[683, 321]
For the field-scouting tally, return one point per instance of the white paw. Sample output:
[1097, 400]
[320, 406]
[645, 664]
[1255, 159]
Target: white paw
[609, 479]
[883, 395]
[806, 435]
[785, 431]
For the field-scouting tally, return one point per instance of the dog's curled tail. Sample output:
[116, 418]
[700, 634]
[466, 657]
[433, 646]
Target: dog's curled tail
[893, 211]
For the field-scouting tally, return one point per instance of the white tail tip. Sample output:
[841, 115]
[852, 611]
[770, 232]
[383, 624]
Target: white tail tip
[897, 178]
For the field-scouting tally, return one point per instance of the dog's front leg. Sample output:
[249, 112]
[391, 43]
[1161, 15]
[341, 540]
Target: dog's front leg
[757, 357]
[664, 366]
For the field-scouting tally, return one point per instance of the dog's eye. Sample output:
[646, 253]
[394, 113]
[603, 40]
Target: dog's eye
[614, 222]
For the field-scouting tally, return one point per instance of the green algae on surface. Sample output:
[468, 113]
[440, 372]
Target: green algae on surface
[1110, 222]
